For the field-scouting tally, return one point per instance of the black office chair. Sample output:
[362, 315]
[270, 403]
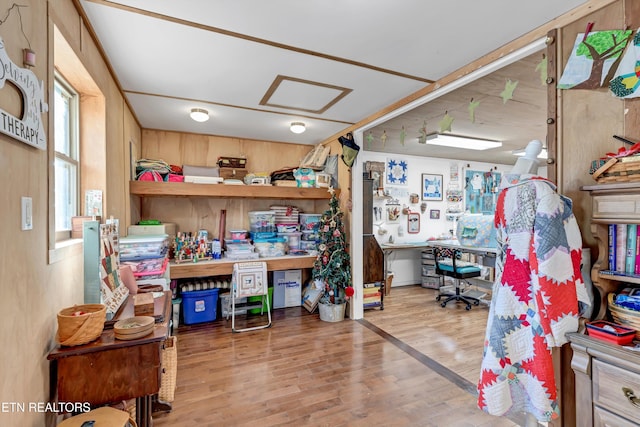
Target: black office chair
[448, 264]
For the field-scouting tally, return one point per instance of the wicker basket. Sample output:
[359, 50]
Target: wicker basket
[81, 329]
[624, 169]
[624, 316]
[169, 370]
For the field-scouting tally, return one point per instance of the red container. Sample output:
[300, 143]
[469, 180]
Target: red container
[611, 332]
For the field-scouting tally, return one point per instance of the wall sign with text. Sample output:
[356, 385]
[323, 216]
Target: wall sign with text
[28, 128]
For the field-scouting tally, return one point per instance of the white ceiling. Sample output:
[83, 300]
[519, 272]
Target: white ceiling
[258, 65]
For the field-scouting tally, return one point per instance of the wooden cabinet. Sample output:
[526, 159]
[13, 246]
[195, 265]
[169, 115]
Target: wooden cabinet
[607, 376]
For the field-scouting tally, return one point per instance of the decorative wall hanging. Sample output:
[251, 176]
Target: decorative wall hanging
[434, 214]
[626, 82]
[396, 172]
[413, 222]
[593, 60]
[481, 191]
[403, 134]
[393, 213]
[28, 128]
[431, 186]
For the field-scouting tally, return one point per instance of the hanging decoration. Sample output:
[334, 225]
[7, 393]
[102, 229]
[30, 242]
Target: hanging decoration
[383, 138]
[472, 110]
[542, 69]
[594, 59]
[422, 138]
[507, 92]
[446, 122]
[403, 134]
[370, 138]
[626, 81]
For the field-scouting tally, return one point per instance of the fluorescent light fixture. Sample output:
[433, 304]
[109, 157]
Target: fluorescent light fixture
[464, 142]
[199, 114]
[543, 154]
[297, 127]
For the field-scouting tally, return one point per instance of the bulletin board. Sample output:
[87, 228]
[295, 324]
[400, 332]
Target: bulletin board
[481, 191]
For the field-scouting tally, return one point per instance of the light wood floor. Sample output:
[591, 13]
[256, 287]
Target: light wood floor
[412, 364]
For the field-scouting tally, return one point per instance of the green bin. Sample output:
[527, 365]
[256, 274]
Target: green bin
[258, 299]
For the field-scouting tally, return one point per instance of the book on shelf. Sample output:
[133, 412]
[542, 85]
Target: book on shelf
[612, 246]
[621, 246]
[630, 258]
[637, 266]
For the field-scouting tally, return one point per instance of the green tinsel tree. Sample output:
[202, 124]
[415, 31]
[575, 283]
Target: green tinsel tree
[333, 264]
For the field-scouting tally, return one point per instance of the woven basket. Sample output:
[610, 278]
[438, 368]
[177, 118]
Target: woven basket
[81, 329]
[169, 370]
[626, 169]
[624, 316]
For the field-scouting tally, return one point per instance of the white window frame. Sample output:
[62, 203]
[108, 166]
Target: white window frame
[69, 159]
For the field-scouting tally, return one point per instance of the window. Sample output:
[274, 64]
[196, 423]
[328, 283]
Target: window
[66, 164]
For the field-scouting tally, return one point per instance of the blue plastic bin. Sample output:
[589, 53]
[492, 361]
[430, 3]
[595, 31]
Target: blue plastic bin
[200, 306]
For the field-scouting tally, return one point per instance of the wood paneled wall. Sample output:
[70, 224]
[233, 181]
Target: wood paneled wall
[191, 213]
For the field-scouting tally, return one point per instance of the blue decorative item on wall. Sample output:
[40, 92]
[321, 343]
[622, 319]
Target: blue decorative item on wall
[396, 172]
[481, 191]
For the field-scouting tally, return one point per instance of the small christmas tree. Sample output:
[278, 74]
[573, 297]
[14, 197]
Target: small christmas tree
[332, 266]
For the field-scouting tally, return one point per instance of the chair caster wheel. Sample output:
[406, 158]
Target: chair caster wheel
[438, 298]
[468, 308]
[476, 303]
[444, 304]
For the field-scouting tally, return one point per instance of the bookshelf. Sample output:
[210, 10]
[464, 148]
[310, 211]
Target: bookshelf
[619, 204]
[603, 371]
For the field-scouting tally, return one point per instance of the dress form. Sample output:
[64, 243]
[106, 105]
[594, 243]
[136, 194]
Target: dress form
[528, 164]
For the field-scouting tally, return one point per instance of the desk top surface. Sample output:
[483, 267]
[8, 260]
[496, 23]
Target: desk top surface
[108, 341]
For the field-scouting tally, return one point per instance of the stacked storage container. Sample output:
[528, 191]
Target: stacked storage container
[287, 226]
[309, 224]
[147, 255]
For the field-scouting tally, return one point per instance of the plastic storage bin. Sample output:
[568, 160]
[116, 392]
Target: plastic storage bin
[309, 222]
[292, 239]
[199, 306]
[262, 221]
[276, 246]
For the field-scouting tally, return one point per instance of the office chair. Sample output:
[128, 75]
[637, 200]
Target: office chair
[448, 264]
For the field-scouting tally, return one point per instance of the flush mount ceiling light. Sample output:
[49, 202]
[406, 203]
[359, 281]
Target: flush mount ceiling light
[199, 114]
[543, 154]
[297, 127]
[464, 142]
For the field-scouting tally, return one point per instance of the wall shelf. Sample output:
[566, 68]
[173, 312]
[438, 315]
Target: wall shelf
[185, 189]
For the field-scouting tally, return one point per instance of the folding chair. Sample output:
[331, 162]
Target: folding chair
[249, 279]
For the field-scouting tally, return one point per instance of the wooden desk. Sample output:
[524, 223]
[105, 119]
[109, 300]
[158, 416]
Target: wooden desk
[218, 267]
[109, 370]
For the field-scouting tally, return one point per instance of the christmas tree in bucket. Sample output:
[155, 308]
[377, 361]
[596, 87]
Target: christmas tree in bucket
[332, 267]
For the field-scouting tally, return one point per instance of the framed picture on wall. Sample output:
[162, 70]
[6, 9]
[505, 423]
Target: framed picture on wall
[413, 222]
[376, 173]
[434, 214]
[431, 186]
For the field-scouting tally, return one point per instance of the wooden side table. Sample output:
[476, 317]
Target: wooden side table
[109, 370]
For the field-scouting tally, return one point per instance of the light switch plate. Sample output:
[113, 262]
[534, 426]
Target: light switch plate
[27, 213]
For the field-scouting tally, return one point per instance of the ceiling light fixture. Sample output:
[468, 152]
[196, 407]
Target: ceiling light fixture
[297, 127]
[543, 154]
[199, 114]
[464, 142]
